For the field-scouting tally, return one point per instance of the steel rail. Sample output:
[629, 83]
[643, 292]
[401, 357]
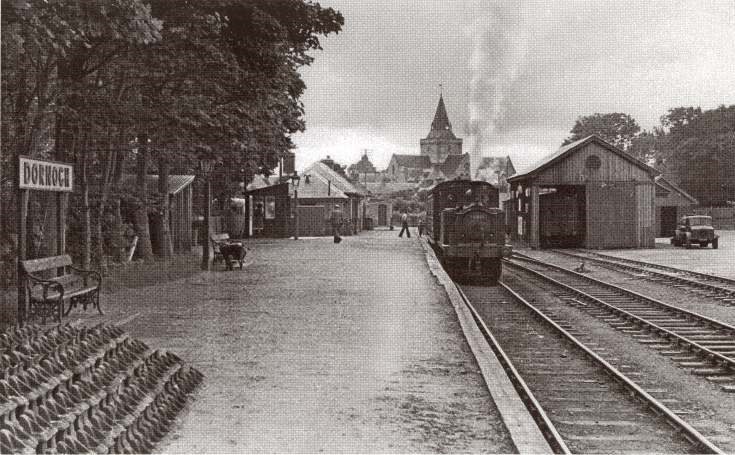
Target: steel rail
[704, 276]
[713, 356]
[718, 324]
[690, 433]
[613, 262]
[534, 407]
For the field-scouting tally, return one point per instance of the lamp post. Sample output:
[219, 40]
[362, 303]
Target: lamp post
[295, 179]
[205, 168]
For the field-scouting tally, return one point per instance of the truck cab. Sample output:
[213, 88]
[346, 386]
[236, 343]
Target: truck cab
[695, 229]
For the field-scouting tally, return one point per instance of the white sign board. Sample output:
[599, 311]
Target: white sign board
[45, 175]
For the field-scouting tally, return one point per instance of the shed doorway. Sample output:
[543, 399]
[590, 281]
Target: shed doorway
[668, 221]
[562, 216]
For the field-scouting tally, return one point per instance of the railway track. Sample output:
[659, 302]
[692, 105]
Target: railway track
[700, 344]
[711, 286]
[582, 403]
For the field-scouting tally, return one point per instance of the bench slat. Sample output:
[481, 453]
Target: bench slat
[68, 293]
[41, 264]
[68, 281]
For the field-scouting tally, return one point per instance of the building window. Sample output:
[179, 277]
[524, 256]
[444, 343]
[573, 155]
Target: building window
[270, 207]
[593, 162]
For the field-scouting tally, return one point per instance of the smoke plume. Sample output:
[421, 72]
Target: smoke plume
[518, 49]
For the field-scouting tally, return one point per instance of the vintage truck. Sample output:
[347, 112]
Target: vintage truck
[695, 229]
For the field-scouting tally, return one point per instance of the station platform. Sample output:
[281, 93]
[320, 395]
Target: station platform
[321, 347]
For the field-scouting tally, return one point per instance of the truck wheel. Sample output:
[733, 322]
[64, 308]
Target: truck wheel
[715, 244]
[688, 244]
[703, 244]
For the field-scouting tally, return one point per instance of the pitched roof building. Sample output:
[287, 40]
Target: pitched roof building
[363, 166]
[588, 194]
[441, 156]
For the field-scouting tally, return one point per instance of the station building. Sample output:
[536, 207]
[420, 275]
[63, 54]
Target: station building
[588, 194]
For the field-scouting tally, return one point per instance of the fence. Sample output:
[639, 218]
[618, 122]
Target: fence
[722, 217]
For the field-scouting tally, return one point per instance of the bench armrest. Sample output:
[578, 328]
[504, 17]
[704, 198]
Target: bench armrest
[47, 285]
[87, 273]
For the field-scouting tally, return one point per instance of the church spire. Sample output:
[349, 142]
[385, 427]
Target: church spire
[441, 119]
[441, 141]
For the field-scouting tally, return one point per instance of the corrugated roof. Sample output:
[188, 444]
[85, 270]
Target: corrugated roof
[261, 181]
[548, 160]
[660, 180]
[176, 183]
[338, 180]
[316, 187]
[413, 161]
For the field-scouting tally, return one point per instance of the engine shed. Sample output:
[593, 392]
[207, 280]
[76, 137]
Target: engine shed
[588, 194]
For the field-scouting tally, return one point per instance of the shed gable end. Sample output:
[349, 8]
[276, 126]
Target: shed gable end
[592, 163]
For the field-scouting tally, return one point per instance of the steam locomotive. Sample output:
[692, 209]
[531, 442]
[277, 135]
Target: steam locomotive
[467, 230]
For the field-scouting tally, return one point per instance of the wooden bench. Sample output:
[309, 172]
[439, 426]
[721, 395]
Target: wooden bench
[227, 250]
[47, 295]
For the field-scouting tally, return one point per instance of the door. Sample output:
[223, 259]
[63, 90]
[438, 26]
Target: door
[311, 220]
[382, 215]
[668, 221]
[611, 216]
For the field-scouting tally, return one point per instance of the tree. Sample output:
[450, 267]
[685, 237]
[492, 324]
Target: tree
[703, 155]
[83, 80]
[52, 52]
[680, 116]
[616, 128]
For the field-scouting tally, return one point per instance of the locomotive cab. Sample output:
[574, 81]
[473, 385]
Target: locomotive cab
[467, 231]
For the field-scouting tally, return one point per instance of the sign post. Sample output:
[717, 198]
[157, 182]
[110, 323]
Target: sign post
[40, 175]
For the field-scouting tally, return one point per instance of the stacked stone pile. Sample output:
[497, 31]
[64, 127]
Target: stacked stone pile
[84, 390]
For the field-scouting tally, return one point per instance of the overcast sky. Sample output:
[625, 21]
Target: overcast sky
[514, 77]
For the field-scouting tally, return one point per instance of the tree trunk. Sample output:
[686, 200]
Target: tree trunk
[3, 217]
[86, 219]
[117, 238]
[166, 246]
[106, 182]
[140, 220]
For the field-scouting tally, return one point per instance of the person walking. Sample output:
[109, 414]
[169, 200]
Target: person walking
[336, 218]
[404, 225]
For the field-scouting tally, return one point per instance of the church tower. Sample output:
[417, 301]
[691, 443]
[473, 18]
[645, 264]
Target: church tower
[441, 141]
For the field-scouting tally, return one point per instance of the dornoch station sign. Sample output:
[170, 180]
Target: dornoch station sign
[45, 175]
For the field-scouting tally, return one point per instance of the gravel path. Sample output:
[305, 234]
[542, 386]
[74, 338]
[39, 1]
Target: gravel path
[317, 347]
